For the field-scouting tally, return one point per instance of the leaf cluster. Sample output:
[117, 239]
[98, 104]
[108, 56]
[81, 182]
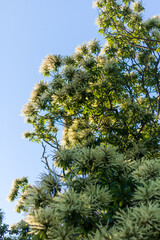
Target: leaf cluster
[107, 99]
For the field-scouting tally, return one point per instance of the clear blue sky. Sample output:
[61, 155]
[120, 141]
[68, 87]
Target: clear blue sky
[31, 29]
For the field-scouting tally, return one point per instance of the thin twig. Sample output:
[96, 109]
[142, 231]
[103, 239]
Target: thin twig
[45, 161]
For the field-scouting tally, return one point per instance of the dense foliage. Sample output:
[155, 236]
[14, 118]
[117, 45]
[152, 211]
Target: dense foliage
[111, 92]
[19, 231]
[103, 182]
[3, 227]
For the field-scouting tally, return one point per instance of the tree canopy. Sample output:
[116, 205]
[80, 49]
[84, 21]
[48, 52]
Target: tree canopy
[3, 227]
[111, 92]
[103, 180]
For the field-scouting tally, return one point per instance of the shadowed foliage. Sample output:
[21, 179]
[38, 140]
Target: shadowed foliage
[102, 181]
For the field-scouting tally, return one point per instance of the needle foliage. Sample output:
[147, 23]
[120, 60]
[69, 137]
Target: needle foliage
[103, 182]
